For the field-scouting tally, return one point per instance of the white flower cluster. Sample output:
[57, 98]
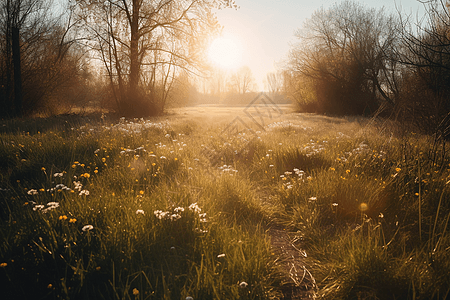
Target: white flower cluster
[176, 214]
[228, 169]
[285, 126]
[136, 152]
[166, 215]
[59, 186]
[288, 175]
[136, 126]
[32, 192]
[79, 187]
[87, 228]
[313, 148]
[43, 209]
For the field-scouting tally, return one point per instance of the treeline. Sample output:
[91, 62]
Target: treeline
[130, 56]
[355, 60]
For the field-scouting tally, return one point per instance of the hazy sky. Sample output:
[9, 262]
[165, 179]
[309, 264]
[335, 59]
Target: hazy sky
[264, 29]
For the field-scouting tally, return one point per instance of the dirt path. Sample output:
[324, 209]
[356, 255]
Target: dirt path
[298, 282]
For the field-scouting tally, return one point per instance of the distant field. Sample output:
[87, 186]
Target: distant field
[214, 202]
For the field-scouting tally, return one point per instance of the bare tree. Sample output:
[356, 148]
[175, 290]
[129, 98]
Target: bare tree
[242, 81]
[34, 54]
[152, 39]
[426, 54]
[347, 54]
[274, 82]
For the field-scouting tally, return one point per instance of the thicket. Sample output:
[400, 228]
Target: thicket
[354, 60]
[127, 56]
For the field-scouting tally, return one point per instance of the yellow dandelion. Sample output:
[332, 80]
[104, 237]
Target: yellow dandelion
[103, 159]
[153, 164]
[332, 169]
[43, 169]
[87, 175]
[2, 265]
[417, 194]
[74, 166]
[49, 286]
[95, 171]
[41, 190]
[73, 220]
[347, 171]
[398, 170]
[64, 217]
[76, 162]
[141, 192]
[175, 158]
[82, 165]
[135, 292]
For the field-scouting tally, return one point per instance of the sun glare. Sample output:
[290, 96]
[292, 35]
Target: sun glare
[225, 53]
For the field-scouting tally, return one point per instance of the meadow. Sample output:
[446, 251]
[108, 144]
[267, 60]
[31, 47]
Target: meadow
[175, 207]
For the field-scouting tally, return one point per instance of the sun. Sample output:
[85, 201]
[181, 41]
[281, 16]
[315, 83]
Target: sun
[225, 53]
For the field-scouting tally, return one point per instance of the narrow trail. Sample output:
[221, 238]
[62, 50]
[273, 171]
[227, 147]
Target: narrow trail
[298, 283]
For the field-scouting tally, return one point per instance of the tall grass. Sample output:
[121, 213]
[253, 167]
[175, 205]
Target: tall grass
[173, 208]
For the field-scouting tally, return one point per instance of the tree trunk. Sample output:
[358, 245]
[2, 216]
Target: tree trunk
[134, 54]
[17, 72]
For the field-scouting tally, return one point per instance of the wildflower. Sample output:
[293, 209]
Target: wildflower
[221, 255]
[38, 207]
[175, 217]
[84, 192]
[87, 227]
[335, 204]
[53, 204]
[243, 285]
[347, 171]
[178, 209]
[32, 192]
[64, 217]
[58, 174]
[312, 198]
[73, 220]
[43, 169]
[141, 192]
[397, 170]
[49, 286]
[135, 292]
[103, 159]
[3, 264]
[194, 207]
[161, 214]
[140, 211]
